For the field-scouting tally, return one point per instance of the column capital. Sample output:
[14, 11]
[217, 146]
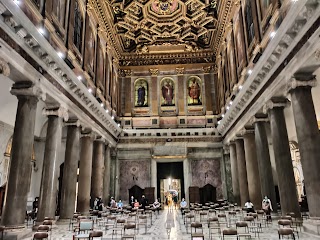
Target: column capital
[60, 111]
[99, 138]
[276, 102]
[259, 118]
[27, 88]
[301, 80]
[73, 122]
[226, 149]
[88, 133]
[246, 131]
[4, 67]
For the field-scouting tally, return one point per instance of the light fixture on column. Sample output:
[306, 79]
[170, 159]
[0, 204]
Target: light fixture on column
[60, 54]
[79, 78]
[89, 90]
[107, 110]
[249, 71]
[101, 104]
[112, 117]
[272, 34]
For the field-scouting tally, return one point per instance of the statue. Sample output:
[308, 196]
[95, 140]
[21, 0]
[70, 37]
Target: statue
[167, 93]
[141, 95]
[194, 92]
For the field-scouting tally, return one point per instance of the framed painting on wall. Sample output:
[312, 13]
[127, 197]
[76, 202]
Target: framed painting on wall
[240, 47]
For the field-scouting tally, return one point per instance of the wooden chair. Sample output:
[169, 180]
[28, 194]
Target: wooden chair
[195, 234]
[95, 234]
[129, 227]
[243, 233]
[286, 232]
[40, 235]
[229, 232]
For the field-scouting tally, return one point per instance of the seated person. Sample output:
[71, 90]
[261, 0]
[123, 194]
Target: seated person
[120, 204]
[136, 204]
[156, 205]
[113, 203]
[249, 206]
[183, 205]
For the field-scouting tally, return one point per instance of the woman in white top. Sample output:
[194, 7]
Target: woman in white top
[249, 206]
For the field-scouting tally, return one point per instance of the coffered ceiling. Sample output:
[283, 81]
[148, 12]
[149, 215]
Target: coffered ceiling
[151, 32]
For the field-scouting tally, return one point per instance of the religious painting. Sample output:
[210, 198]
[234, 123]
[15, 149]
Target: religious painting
[240, 47]
[78, 27]
[231, 61]
[194, 91]
[89, 48]
[167, 92]
[59, 10]
[141, 93]
[100, 68]
[249, 22]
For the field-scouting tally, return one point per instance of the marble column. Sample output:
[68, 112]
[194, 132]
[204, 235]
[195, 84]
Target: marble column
[14, 210]
[50, 171]
[308, 138]
[252, 168]
[107, 172]
[69, 181]
[264, 163]
[97, 168]
[187, 178]
[154, 176]
[242, 172]
[85, 170]
[234, 172]
[286, 180]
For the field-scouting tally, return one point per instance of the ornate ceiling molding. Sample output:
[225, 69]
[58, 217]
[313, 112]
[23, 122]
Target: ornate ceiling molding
[147, 32]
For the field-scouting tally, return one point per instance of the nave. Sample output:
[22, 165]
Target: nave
[172, 224]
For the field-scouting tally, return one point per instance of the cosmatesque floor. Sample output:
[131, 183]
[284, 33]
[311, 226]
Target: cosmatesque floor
[167, 225]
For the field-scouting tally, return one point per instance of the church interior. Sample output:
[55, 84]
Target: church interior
[209, 101]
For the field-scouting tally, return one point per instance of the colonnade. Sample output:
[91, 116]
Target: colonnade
[84, 146]
[249, 152]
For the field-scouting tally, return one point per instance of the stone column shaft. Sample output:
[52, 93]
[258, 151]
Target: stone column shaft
[264, 164]
[97, 169]
[234, 173]
[286, 181]
[252, 169]
[69, 181]
[50, 172]
[242, 172]
[154, 176]
[85, 170]
[20, 163]
[106, 179]
[309, 144]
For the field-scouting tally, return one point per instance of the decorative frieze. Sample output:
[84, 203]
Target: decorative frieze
[180, 70]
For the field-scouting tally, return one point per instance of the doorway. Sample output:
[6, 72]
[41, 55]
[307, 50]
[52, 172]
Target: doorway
[169, 190]
[170, 180]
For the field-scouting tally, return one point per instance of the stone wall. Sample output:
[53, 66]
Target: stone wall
[207, 172]
[133, 172]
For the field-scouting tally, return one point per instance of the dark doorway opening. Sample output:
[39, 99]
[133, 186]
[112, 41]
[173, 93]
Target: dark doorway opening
[172, 170]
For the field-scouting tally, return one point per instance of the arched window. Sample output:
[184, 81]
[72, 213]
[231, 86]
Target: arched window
[141, 93]
[77, 32]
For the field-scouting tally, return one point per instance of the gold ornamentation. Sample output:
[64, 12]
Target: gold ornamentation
[154, 71]
[180, 70]
[206, 69]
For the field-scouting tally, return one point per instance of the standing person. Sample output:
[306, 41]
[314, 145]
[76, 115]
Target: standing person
[175, 200]
[35, 206]
[183, 205]
[267, 207]
[136, 204]
[249, 206]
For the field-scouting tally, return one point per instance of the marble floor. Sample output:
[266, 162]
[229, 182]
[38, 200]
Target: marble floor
[167, 225]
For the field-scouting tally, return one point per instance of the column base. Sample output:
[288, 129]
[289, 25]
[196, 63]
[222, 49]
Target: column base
[312, 226]
[15, 228]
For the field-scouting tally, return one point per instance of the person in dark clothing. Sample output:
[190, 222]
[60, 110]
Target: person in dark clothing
[35, 206]
[132, 201]
[144, 202]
